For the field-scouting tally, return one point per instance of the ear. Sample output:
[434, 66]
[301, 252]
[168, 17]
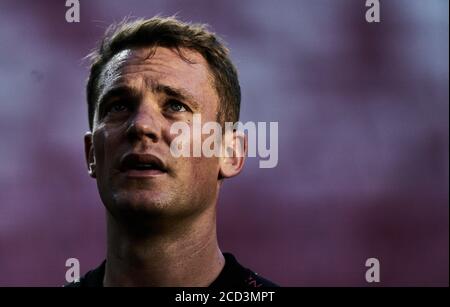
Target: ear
[89, 153]
[233, 154]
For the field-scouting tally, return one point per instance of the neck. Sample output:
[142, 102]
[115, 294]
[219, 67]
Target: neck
[166, 255]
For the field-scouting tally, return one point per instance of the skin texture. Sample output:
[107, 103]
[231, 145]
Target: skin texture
[161, 228]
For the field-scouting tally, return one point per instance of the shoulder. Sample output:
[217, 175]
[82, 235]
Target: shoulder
[236, 275]
[92, 279]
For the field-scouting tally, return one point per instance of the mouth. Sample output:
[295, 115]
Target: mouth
[142, 165]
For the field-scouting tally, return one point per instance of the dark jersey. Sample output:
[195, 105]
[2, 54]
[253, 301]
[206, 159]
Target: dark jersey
[233, 274]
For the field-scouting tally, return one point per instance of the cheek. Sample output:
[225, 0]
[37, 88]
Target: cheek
[99, 147]
[201, 172]
[196, 172]
[103, 147]
[204, 177]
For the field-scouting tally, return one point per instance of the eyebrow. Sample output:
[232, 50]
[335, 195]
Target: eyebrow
[124, 90]
[121, 90]
[177, 93]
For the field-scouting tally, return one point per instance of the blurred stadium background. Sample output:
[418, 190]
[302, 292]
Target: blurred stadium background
[363, 112]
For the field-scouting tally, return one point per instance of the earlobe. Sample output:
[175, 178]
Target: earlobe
[91, 170]
[89, 154]
[233, 155]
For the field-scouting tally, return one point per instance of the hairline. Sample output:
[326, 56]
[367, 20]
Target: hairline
[212, 78]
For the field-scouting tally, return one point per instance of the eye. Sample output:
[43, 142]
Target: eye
[174, 105]
[117, 107]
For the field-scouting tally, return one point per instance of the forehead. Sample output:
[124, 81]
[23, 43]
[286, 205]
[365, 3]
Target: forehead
[141, 68]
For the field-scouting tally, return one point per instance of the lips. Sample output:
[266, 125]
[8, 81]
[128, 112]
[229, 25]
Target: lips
[138, 165]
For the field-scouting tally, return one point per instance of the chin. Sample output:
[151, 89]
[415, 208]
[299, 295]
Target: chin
[149, 206]
[142, 201]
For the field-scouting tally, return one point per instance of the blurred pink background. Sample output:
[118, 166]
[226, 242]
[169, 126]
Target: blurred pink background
[363, 148]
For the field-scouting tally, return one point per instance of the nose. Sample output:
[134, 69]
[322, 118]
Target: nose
[145, 124]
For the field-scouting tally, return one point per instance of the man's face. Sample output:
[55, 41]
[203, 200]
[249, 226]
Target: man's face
[141, 94]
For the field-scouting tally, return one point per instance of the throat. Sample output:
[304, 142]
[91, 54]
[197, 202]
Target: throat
[188, 258]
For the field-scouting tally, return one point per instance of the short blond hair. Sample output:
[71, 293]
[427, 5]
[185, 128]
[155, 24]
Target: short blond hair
[171, 33]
